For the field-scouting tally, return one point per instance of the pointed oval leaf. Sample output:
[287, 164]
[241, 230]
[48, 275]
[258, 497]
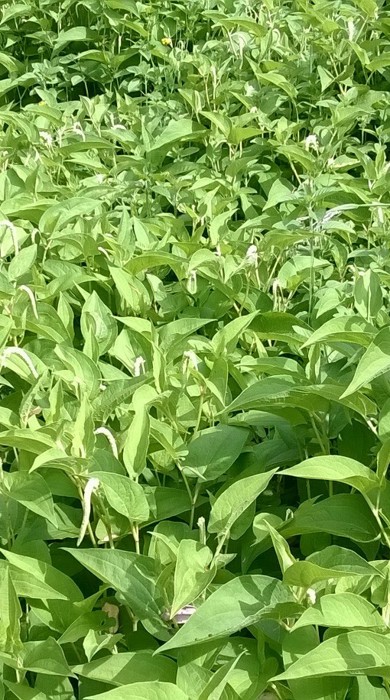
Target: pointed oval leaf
[356, 652]
[375, 361]
[124, 495]
[131, 574]
[335, 468]
[214, 450]
[150, 690]
[235, 499]
[129, 667]
[346, 610]
[234, 605]
[192, 573]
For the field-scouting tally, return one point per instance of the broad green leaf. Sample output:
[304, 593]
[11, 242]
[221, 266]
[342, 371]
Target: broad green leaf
[150, 690]
[226, 339]
[213, 451]
[10, 614]
[130, 289]
[124, 495]
[235, 499]
[357, 652]
[298, 269]
[32, 492]
[335, 468]
[343, 329]
[345, 610]
[129, 667]
[172, 335]
[295, 645]
[22, 263]
[234, 605]
[24, 692]
[28, 586]
[84, 624]
[284, 391]
[218, 685]
[369, 688]
[41, 572]
[165, 502]
[241, 21]
[80, 372]
[274, 325]
[137, 442]
[36, 441]
[330, 563]
[45, 657]
[48, 325]
[279, 191]
[344, 515]
[74, 34]
[193, 573]
[368, 294]
[375, 361]
[177, 130]
[132, 575]
[97, 316]
[61, 213]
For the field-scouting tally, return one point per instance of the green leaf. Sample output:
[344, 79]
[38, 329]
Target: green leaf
[214, 450]
[356, 652]
[226, 339]
[346, 610]
[343, 329]
[40, 574]
[177, 130]
[335, 468]
[137, 441]
[368, 294]
[129, 667]
[234, 605]
[130, 289]
[132, 575]
[284, 391]
[153, 690]
[74, 34]
[32, 492]
[45, 657]
[279, 191]
[99, 318]
[375, 361]
[22, 263]
[165, 502]
[27, 586]
[61, 213]
[10, 614]
[343, 515]
[295, 645]
[81, 373]
[24, 692]
[331, 562]
[24, 439]
[235, 499]
[193, 573]
[124, 495]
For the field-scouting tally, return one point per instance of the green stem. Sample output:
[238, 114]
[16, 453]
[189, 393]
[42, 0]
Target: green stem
[135, 531]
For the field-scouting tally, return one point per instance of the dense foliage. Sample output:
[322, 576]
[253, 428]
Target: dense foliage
[195, 350]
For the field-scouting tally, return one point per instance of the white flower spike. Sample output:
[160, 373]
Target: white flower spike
[90, 487]
[251, 255]
[139, 366]
[311, 141]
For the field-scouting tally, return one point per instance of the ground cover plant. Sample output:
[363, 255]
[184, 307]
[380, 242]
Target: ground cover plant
[195, 350]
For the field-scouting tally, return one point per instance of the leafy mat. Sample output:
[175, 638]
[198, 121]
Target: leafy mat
[195, 350]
